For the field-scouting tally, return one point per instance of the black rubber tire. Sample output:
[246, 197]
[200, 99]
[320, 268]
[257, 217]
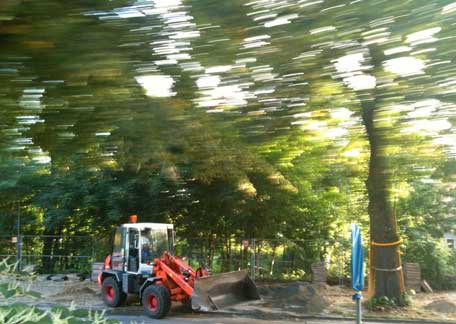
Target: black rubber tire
[156, 301]
[111, 292]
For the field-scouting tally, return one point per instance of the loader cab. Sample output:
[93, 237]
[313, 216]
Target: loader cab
[136, 245]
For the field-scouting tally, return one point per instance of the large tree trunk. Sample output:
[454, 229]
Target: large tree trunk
[386, 259]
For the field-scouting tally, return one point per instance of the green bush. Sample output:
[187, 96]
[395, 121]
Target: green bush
[380, 303]
[437, 261]
[384, 303]
[294, 275]
[12, 312]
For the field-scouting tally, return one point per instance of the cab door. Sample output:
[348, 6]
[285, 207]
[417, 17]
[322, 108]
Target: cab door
[132, 253]
[118, 250]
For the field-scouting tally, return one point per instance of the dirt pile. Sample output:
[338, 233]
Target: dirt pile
[442, 306]
[299, 297]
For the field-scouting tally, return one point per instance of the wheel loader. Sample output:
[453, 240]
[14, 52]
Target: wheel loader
[142, 264]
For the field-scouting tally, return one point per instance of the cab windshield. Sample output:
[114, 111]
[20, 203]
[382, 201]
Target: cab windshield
[153, 243]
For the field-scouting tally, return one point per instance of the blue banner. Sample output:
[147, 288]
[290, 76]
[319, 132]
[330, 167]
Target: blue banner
[357, 259]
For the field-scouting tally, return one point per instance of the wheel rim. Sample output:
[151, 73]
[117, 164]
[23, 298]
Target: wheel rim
[110, 293]
[152, 302]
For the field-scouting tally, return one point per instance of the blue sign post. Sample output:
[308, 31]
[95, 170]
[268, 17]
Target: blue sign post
[357, 268]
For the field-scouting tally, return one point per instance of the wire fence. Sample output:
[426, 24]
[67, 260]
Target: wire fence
[266, 259]
[53, 253]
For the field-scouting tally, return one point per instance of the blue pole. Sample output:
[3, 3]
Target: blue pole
[357, 269]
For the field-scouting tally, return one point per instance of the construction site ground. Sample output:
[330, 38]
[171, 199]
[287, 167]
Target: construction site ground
[280, 302]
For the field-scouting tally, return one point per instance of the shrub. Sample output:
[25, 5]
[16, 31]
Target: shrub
[12, 312]
[437, 261]
[384, 303]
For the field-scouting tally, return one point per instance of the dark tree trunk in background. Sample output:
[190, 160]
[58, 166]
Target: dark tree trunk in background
[48, 242]
[381, 214]
[229, 254]
[274, 251]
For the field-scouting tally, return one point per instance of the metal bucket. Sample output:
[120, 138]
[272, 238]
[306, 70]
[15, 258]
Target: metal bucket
[223, 290]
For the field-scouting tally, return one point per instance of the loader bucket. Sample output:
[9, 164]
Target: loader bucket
[223, 290]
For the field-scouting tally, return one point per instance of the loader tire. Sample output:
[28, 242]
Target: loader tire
[156, 301]
[111, 292]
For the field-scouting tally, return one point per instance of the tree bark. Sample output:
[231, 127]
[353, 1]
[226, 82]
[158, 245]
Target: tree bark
[48, 243]
[274, 250]
[388, 277]
[229, 253]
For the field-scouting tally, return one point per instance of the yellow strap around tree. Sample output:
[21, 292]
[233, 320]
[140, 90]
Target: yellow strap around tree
[387, 244]
[372, 268]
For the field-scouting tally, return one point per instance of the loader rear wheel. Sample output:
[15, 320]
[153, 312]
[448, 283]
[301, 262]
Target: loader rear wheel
[113, 296]
[156, 301]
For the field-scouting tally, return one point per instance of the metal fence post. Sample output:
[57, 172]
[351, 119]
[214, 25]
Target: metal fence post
[252, 260]
[18, 253]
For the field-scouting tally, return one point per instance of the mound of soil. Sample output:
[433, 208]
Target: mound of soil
[442, 306]
[300, 297]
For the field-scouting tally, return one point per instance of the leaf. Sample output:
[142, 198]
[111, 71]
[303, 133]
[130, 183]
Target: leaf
[33, 294]
[80, 312]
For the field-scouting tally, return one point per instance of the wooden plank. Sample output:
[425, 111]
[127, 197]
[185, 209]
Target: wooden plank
[412, 274]
[412, 267]
[413, 271]
[426, 287]
[319, 272]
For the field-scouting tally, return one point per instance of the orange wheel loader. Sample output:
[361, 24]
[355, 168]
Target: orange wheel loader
[142, 263]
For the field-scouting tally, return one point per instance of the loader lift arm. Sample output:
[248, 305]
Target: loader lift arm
[167, 268]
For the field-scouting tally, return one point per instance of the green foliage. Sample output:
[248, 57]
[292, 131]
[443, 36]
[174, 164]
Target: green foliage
[381, 303]
[407, 299]
[16, 313]
[437, 261]
[296, 275]
[423, 221]
[82, 146]
[13, 312]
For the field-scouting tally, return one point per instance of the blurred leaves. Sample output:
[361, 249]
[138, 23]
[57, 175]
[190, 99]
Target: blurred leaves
[263, 137]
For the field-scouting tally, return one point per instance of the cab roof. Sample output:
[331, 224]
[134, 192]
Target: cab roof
[148, 225]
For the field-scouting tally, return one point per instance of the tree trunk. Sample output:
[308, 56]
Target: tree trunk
[229, 253]
[257, 258]
[274, 250]
[224, 254]
[211, 250]
[48, 242]
[386, 260]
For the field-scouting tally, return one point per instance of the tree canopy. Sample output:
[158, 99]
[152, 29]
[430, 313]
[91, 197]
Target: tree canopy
[236, 118]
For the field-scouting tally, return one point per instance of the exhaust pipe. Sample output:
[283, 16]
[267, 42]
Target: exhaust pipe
[223, 290]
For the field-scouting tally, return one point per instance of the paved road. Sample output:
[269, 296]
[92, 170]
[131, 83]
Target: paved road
[126, 319]
[179, 315]
[212, 319]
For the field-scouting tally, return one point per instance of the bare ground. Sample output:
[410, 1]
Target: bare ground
[279, 300]
[440, 306]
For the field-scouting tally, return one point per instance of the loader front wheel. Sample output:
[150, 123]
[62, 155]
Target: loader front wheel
[113, 296]
[156, 301]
